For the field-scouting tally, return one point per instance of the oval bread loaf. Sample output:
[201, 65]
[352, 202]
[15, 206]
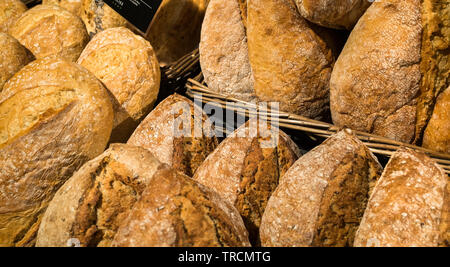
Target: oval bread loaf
[13, 56]
[177, 133]
[246, 167]
[321, 199]
[410, 205]
[337, 14]
[291, 64]
[54, 116]
[10, 11]
[92, 204]
[224, 52]
[48, 30]
[128, 67]
[437, 133]
[392, 68]
[74, 6]
[176, 211]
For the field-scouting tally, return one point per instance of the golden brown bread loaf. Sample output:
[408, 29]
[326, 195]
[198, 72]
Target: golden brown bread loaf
[246, 167]
[409, 206]
[128, 67]
[392, 68]
[437, 133]
[176, 211]
[291, 64]
[92, 204]
[183, 150]
[98, 16]
[175, 29]
[48, 30]
[322, 197]
[74, 6]
[13, 56]
[337, 14]
[224, 51]
[54, 116]
[10, 11]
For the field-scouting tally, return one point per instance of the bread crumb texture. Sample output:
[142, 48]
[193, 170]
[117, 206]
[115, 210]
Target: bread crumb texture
[322, 197]
[175, 211]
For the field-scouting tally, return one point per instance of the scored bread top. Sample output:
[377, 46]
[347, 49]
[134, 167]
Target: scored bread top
[48, 30]
[409, 204]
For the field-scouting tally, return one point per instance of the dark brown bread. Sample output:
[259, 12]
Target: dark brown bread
[409, 205]
[176, 211]
[246, 167]
[322, 197]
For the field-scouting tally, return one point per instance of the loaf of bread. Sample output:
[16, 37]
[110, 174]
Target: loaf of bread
[48, 30]
[13, 56]
[88, 209]
[10, 11]
[98, 16]
[246, 167]
[224, 51]
[389, 73]
[128, 67]
[74, 6]
[410, 205]
[177, 133]
[321, 199]
[54, 116]
[291, 64]
[337, 14]
[437, 133]
[176, 211]
[175, 29]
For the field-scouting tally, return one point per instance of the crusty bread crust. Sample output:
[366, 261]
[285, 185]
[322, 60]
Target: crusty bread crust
[74, 6]
[10, 12]
[437, 133]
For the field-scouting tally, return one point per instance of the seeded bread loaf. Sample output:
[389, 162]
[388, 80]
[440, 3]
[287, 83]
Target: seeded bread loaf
[246, 167]
[291, 64]
[392, 68]
[177, 133]
[337, 14]
[322, 197]
[54, 116]
[410, 205]
[48, 30]
[437, 133]
[74, 6]
[224, 51]
[13, 56]
[10, 11]
[92, 204]
[176, 211]
[128, 67]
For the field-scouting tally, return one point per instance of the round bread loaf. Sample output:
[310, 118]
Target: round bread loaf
[393, 66]
[437, 133]
[48, 30]
[321, 199]
[291, 64]
[337, 14]
[224, 52]
[88, 209]
[410, 205]
[128, 67]
[13, 56]
[54, 116]
[74, 6]
[175, 211]
[10, 11]
[175, 29]
[246, 167]
[98, 16]
[177, 133]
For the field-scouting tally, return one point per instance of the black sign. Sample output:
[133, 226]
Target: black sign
[140, 13]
